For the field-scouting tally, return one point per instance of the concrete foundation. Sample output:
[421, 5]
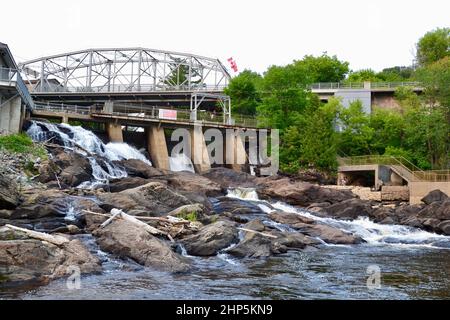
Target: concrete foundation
[395, 193]
[157, 147]
[11, 116]
[114, 131]
[199, 151]
[419, 189]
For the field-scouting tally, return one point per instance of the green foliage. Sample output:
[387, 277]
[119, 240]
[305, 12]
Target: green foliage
[243, 92]
[356, 133]
[188, 215]
[322, 68]
[363, 75]
[433, 46]
[395, 74]
[21, 143]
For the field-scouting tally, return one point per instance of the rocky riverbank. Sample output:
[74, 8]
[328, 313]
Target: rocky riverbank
[174, 214]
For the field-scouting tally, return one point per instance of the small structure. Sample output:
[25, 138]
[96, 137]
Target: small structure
[397, 178]
[14, 96]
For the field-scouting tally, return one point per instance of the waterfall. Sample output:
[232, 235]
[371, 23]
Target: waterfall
[243, 194]
[82, 141]
[373, 233]
[180, 162]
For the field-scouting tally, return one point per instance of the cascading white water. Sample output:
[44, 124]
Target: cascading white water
[76, 136]
[180, 162]
[243, 194]
[373, 233]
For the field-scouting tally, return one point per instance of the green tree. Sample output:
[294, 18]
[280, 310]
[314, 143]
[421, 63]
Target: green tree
[363, 75]
[323, 68]
[243, 92]
[433, 46]
[355, 132]
[388, 130]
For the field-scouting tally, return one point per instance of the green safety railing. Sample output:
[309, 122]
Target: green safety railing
[414, 172]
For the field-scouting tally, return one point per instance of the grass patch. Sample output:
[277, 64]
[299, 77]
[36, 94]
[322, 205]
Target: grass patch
[21, 143]
[190, 216]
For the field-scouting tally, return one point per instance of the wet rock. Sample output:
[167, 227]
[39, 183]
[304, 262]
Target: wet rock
[126, 239]
[299, 193]
[444, 227]
[228, 178]
[9, 195]
[293, 240]
[211, 239]
[23, 259]
[122, 184]
[292, 219]
[42, 204]
[138, 168]
[236, 206]
[430, 224]
[382, 213]
[387, 220]
[330, 234]
[193, 183]
[437, 210]
[253, 245]
[155, 198]
[433, 196]
[71, 168]
[349, 209]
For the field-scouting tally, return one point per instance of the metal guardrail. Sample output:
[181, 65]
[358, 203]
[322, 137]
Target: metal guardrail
[12, 76]
[145, 112]
[362, 85]
[124, 88]
[416, 174]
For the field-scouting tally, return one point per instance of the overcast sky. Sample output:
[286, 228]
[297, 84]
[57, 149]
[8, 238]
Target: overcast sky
[369, 34]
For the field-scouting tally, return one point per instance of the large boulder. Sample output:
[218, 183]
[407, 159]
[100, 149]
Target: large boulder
[433, 196]
[437, 210]
[128, 240]
[294, 220]
[122, 184]
[71, 168]
[444, 227]
[138, 168]
[211, 239]
[330, 234]
[191, 182]
[349, 209]
[299, 193]
[9, 195]
[253, 245]
[155, 197]
[228, 178]
[25, 259]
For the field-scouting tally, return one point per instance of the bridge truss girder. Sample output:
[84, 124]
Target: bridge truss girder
[124, 70]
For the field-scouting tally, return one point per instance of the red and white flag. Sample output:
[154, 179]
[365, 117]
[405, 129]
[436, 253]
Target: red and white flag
[233, 64]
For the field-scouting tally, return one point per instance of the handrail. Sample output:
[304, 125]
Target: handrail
[13, 77]
[415, 173]
[364, 85]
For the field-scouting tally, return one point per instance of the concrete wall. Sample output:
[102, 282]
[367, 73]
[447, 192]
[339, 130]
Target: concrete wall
[114, 132]
[349, 96]
[395, 193]
[11, 116]
[157, 147]
[199, 151]
[417, 190]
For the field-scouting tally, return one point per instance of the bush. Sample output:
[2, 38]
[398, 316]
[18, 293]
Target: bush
[21, 143]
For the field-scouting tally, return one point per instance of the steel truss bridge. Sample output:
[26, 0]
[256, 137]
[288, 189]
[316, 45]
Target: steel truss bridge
[147, 76]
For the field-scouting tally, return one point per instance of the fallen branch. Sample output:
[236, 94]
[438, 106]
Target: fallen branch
[257, 232]
[56, 240]
[110, 219]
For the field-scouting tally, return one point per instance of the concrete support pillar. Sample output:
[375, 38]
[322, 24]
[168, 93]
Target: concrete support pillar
[235, 154]
[157, 147]
[15, 114]
[114, 132]
[65, 118]
[5, 113]
[199, 151]
[108, 107]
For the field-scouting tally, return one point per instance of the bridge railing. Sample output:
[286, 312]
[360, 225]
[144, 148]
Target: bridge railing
[120, 88]
[146, 112]
[361, 85]
[12, 76]
[416, 173]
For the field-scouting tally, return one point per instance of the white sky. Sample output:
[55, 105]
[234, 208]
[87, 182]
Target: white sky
[375, 33]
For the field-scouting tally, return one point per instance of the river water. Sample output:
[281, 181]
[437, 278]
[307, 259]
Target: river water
[412, 264]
